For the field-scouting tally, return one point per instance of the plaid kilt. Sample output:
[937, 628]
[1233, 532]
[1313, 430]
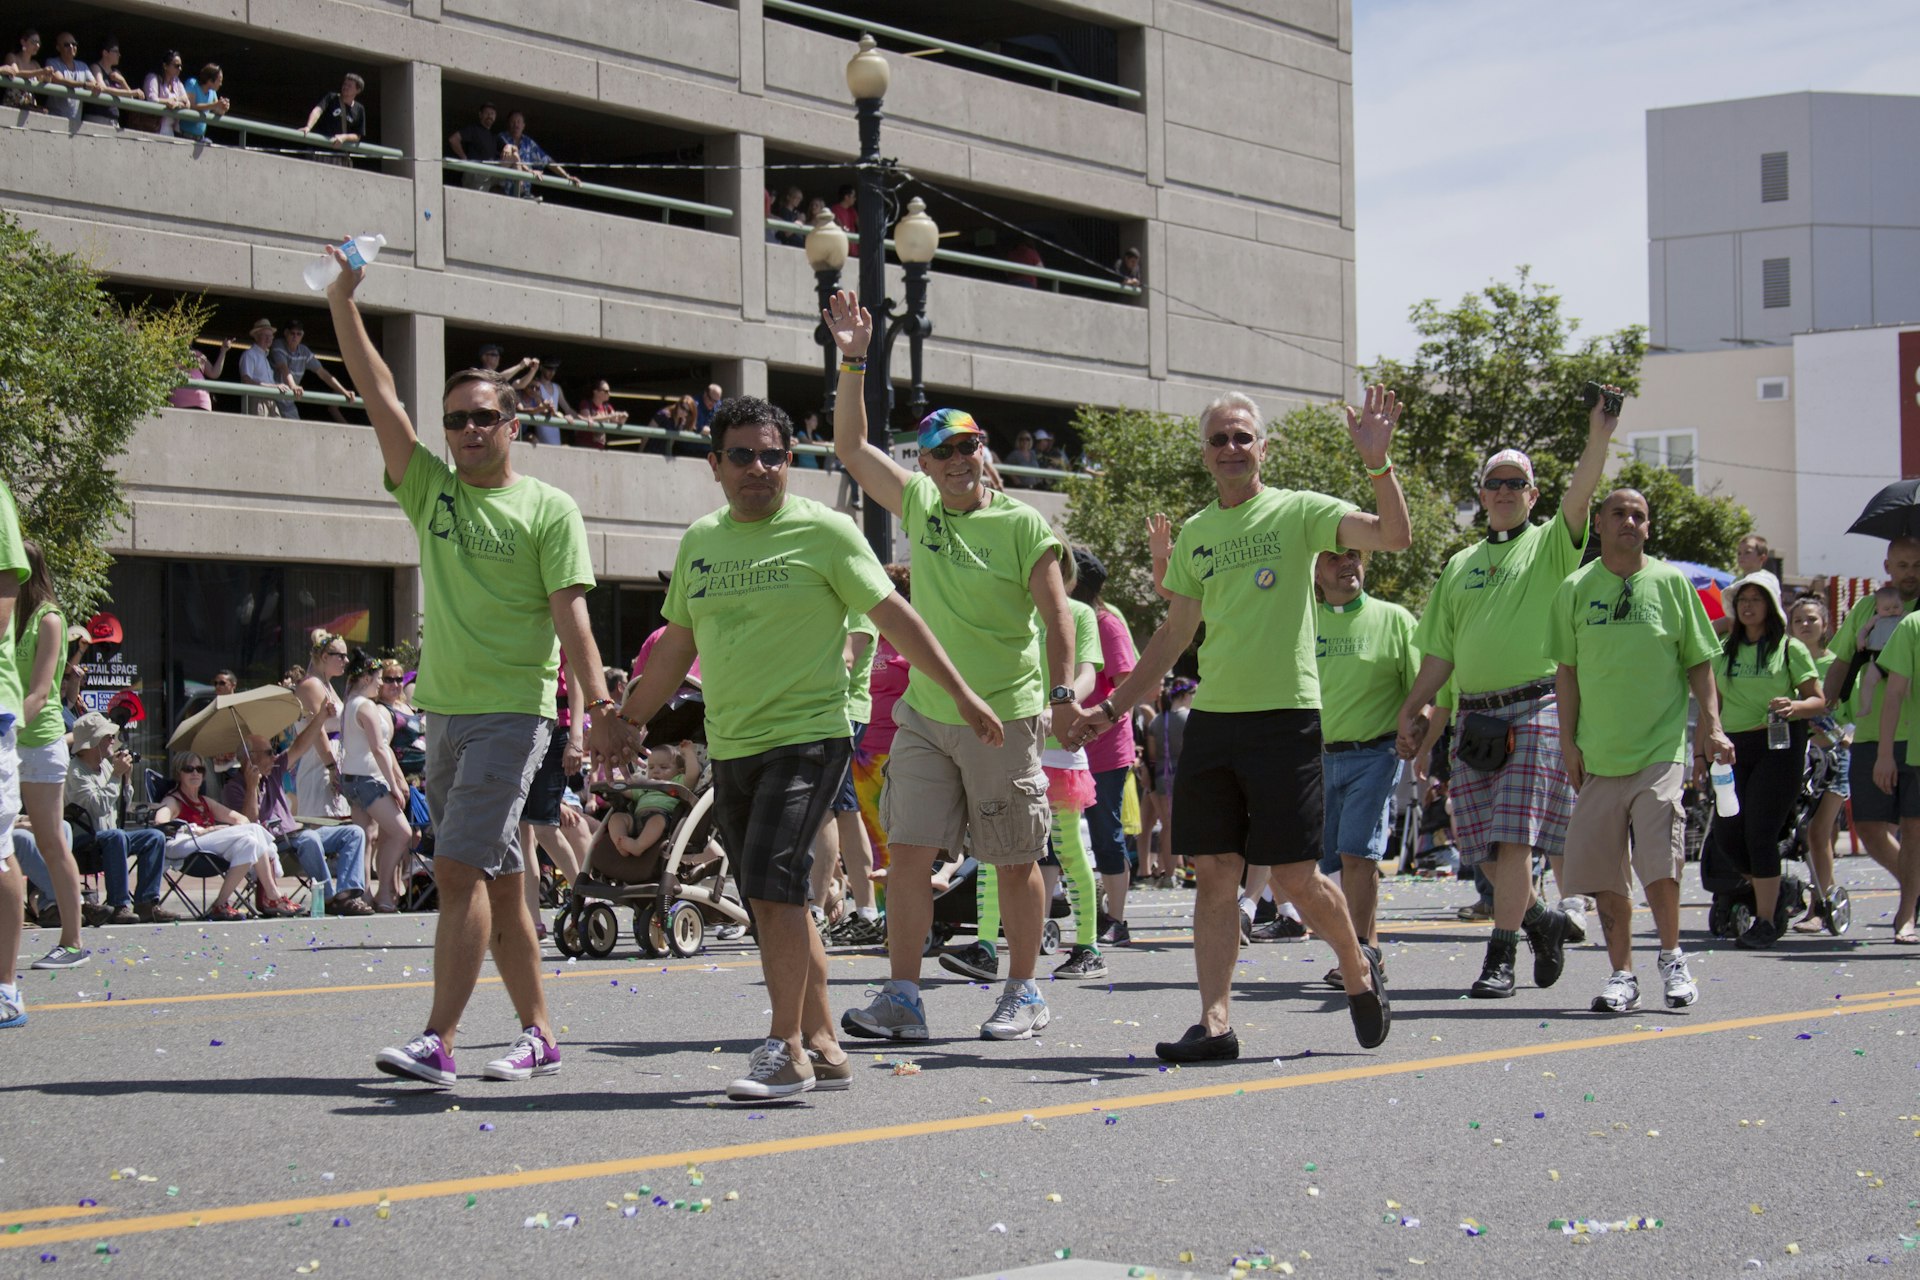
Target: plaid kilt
[1527, 801]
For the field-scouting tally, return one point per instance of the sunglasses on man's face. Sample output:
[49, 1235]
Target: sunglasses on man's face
[741, 456]
[1238, 439]
[1515, 483]
[966, 447]
[485, 419]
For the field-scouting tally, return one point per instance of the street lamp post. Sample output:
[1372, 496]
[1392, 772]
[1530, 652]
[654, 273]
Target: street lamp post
[826, 254]
[867, 78]
[916, 238]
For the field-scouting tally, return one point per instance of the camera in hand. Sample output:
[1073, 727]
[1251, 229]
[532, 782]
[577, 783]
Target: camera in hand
[1593, 393]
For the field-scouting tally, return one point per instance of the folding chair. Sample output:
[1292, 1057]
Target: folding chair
[416, 873]
[198, 864]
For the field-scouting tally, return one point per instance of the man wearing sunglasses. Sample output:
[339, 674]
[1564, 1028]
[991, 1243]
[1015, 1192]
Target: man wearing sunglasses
[761, 592]
[505, 564]
[1631, 638]
[1485, 628]
[1248, 785]
[986, 576]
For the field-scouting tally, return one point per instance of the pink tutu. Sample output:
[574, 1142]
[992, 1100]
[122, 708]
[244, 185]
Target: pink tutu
[1070, 789]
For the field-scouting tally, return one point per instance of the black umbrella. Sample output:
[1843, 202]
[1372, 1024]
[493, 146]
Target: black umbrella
[1894, 512]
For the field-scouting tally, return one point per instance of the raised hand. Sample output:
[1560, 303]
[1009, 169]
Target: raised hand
[849, 323]
[343, 285]
[1371, 426]
[1160, 544]
[1598, 419]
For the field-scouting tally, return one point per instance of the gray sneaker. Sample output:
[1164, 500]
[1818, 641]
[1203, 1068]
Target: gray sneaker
[62, 958]
[1083, 964]
[977, 960]
[830, 1075]
[891, 1016]
[772, 1072]
[1020, 1012]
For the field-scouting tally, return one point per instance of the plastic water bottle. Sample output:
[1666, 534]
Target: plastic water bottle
[1725, 802]
[359, 251]
[322, 890]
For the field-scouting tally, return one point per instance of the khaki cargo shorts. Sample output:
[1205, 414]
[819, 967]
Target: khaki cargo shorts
[1641, 812]
[944, 785]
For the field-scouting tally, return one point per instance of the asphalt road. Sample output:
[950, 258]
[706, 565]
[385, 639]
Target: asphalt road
[201, 1101]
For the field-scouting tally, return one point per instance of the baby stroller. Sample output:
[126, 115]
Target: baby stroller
[1733, 902]
[671, 911]
[955, 910]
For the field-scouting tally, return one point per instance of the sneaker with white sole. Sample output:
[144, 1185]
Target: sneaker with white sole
[532, 1055]
[1083, 964]
[1681, 991]
[772, 1072]
[1620, 995]
[62, 958]
[1576, 913]
[1021, 1011]
[977, 960]
[830, 1076]
[13, 1011]
[893, 1015]
[424, 1057]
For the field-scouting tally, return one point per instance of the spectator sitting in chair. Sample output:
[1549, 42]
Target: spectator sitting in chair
[207, 826]
[258, 793]
[96, 787]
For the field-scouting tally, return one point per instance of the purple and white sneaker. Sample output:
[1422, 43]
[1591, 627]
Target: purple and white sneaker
[422, 1058]
[532, 1055]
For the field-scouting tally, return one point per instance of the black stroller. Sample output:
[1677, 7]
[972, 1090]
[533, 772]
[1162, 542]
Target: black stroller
[1733, 902]
[955, 910]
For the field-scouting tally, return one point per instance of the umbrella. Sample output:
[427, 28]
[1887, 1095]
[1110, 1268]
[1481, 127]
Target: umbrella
[216, 729]
[1702, 575]
[1894, 512]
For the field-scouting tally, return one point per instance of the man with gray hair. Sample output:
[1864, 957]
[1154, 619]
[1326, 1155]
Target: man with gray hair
[1248, 785]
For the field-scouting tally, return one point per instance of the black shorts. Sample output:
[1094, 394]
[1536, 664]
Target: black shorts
[1248, 782]
[1868, 802]
[549, 784]
[844, 800]
[769, 807]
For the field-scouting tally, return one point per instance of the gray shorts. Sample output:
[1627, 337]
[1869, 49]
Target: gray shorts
[478, 768]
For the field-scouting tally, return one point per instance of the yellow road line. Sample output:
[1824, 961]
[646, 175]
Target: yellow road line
[52, 1213]
[255, 1211]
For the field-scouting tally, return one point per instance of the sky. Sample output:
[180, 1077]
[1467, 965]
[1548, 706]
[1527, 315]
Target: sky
[1492, 133]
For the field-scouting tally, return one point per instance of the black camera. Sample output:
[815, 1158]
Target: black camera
[1593, 393]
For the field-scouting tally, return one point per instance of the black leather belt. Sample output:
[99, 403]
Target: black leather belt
[1335, 748]
[1525, 693]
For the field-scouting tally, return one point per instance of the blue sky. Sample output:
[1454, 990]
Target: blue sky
[1491, 133]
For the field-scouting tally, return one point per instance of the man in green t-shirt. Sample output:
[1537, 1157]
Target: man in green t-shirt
[14, 571]
[1873, 814]
[761, 591]
[505, 568]
[1631, 639]
[1895, 771]
[986, 576]
[1484, 629]
[1248, 785]
[1367, 661]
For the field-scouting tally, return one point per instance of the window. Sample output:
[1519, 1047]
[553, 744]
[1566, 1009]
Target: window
[1669, 450]
[1773, 177]
[1771, 389]
[1776, 282]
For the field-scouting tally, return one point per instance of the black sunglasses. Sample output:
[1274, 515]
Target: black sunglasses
[1515, 483]
[966, 447]
[393, 679]
[193, 768]
[1239, 439]
[741, 456]
[482, 418]
[1624, 605]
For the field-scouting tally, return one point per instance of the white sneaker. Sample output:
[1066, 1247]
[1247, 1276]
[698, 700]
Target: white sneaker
[1020, 1012]
[1575, 910]
[1681, 991]
[1620, 995]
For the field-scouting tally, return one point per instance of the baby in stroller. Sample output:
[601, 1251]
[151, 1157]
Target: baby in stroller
[636, 830]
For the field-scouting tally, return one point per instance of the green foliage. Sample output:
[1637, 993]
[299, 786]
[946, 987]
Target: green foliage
[77, 373]
[1501, 369]
[1701, 527]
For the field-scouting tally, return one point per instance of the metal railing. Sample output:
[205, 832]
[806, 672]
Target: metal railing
[935, 44]
[615, 431]
[1102, 284]
[502, 174]
[193, 115]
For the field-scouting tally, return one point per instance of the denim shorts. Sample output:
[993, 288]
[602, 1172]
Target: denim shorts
[1358, 785]
[363, 790]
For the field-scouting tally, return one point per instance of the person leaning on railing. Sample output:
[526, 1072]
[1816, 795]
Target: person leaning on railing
[165, 87]
[203, 91]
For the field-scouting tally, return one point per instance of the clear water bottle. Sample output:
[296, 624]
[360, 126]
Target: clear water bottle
[1725, 802]
[1779, 735]
[322, 890]
[358, 251]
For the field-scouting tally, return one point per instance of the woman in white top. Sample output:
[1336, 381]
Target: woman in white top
[316, 772]
[370, 777]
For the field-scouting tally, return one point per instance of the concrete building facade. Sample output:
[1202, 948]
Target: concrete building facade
[1232, 171]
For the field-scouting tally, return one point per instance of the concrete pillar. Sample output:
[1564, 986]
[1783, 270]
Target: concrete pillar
[753, 48]
[741, 377]
[408, 603]
[415, 348]
[739, 183]
[427, 10]
[1142, 67]
[1153, 261]
[410, 101]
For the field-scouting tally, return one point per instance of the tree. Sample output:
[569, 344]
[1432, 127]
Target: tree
[1701, 527]
[78, 372]
[1500, 370]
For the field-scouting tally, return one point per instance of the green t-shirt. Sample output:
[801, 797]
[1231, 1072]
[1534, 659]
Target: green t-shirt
[1086, 645]
[646, 802]
[1488, 613]
[1842, 713]
[49, 724]
[1748, 688]
[767, 602]
[1632, 671]
[860, 675]
[1901, 657]
[970, 584]
[489, 560]
[1251, 568]
[13, 557]
[1367, 662]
